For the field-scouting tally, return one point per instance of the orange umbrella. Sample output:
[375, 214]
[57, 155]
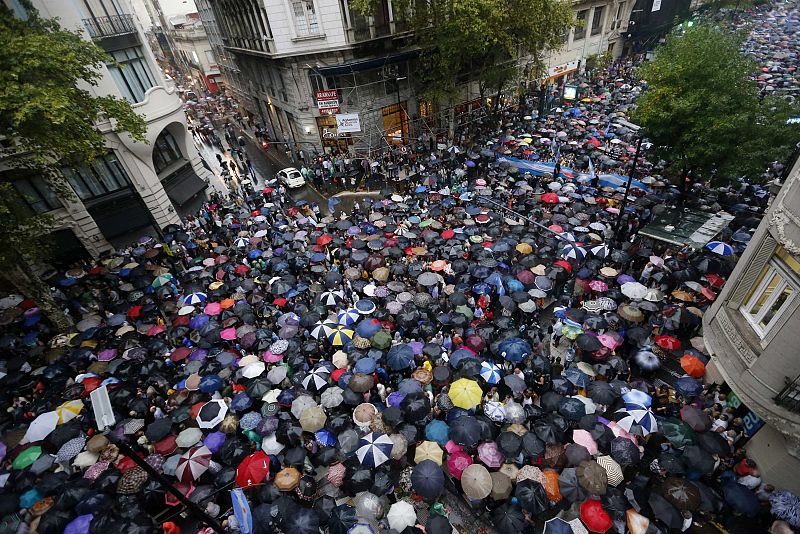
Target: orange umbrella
[227, 303]
[550, 485]
[693, 366]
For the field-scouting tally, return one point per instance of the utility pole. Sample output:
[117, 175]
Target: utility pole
[624, 202]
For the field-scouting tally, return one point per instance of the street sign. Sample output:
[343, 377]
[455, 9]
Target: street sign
[327, 102]
[101, 404]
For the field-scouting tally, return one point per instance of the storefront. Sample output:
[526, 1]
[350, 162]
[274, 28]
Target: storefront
[395, 123]
[330, 137]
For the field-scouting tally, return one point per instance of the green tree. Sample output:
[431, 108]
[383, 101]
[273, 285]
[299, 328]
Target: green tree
[47, 115]
[485, 41]
[702, 111]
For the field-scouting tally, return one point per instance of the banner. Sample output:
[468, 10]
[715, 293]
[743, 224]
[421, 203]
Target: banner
[327, 101]
[348, 122]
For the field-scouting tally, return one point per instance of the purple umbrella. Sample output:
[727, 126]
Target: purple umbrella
[198, 321]
[198, 355]
[214, 441]
[625, 278]
[79, 525]
[395, 398]
[107, 355]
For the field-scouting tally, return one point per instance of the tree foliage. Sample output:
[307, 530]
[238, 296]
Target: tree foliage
[479, 40]
[702, 110]
[47, 115]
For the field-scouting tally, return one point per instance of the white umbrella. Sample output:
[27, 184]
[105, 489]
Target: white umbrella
[271, 445]
[300, 404]
[189, 437]
[634, 290]
[254, 369]
[401, 516]
[41, 427]
[277, 374]
[332, 397]
[494, 411]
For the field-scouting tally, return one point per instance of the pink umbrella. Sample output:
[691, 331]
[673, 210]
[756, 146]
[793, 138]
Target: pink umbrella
[272, 358]
[208, 262]
[657, 261]
[584, 438]
[212, 308]
[598, 285]
[452, 447]
[229, 334]
[489, 455]
[621, 432]
[457, 463]
[608, 341]
[155, 330]
[336, 474]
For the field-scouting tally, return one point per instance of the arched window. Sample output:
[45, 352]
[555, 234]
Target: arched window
[166, 151]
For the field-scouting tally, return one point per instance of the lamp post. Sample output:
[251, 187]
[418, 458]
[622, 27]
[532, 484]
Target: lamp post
[624, 202]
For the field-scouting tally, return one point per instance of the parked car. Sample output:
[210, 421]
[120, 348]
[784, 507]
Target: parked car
[291, 178]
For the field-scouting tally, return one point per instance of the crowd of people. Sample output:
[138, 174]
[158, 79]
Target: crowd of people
[493, 348]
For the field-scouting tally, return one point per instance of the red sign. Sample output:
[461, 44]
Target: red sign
[328, 102]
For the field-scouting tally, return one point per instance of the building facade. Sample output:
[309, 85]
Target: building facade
[300, 62]
[137, 185]
[192, 49]
[750, 332]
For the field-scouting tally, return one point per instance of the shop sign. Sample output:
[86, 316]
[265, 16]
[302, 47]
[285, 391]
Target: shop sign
[328, 102]
[348, 122]
[750, 419]
[560, 70]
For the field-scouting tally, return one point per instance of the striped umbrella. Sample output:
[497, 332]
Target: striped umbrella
[194, 298]
[340, 335]
[193, 463]
[162, 280]
[323, 329]
[331, 298]
[718, 247]
[374, 449]
[348, 317]
[490, 372]
[316, 379]
[573, 252]
[600, 251]
[614, 471]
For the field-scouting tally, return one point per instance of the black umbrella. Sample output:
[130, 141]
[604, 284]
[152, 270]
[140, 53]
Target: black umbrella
[698, 459]
[466, 430]
[664, 511]
[569, 487]
[438, 524]
[601, 392]
[588, 342]
[427, 479]
[342, 519]
[624, 451]
[509, 443]
[301, 521]
[158, 429]
[681, 493]
[532, 446]
[509, 519]
[714, 443]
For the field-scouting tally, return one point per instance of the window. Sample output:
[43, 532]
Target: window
[104, 176]
[317, 82]
[165, 152]
[580, 24]
[305, 18]
[37, 194]
[131, 73]
[773, 292]
[597, 20]
[620, 12]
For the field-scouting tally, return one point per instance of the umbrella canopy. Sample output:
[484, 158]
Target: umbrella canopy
[476, 481]
[374, 449]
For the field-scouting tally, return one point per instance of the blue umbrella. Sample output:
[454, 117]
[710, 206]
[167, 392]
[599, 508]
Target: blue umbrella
[481, 288]
[515, 349]
[365, 306]
[253, 254]
[194, 298]
[241, 402]
[365, 365]
[409, 385]
[198, 321]
[638, 397]
[427, 479]
[400, 357]
[79, 525]
[325, 437]
[741, 499]
[688, 386]
[460, 354]
[210, 384]
[437, 431]
[374, 449]
[720, 248]
[368, 327]
[577, 377]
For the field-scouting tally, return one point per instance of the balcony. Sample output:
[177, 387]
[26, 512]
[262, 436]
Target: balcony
[111, 26]
[789, 397]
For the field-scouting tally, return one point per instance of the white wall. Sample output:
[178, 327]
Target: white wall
[286, 41]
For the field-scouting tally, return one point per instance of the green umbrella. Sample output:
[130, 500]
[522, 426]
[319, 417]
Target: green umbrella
[465, 311]
[678, 433]
[27, 457]
[162, 280]
[382, 340]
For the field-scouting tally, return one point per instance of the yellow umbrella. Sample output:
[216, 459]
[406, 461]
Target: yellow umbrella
[524, 248]
[69, 411]
[428, 450]
[465, 393]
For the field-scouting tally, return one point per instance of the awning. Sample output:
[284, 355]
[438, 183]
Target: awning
[693, 228]
[183, 184]
[367, 64]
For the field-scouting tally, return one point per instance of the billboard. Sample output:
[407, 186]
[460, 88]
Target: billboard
[348, 122]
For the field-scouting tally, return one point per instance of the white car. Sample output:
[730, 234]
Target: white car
[291, 178]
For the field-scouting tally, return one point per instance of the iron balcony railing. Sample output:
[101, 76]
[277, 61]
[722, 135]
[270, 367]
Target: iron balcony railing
[110, 26]
[789, 397]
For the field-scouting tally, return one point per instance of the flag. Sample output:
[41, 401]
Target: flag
[241, 509]
[592, 173]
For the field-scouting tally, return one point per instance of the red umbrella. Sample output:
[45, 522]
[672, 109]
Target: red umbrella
[324, 239]
[181, 353]
[715, 280]
[594, 517]
[475, 343]
[448, 234]
[707, 293]
[550, 198]
[155, 330]
[254, 469]
[565, 264]
[693, 366]
[193, 463]
[668, 342]
[241, 269]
